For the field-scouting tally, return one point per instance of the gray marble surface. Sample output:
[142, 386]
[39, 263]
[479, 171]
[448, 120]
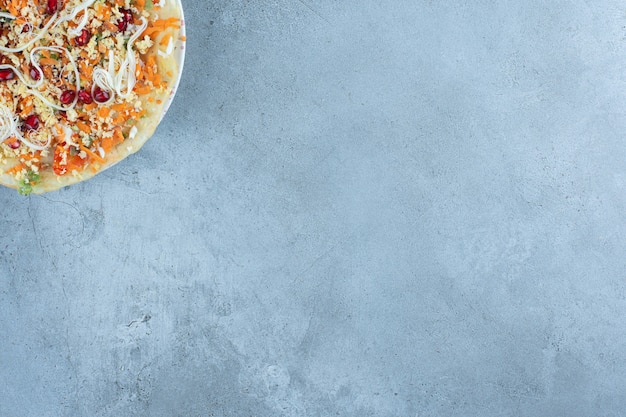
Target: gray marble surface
[353, 208]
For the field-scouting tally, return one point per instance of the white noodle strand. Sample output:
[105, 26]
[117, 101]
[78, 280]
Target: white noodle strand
[40, 35]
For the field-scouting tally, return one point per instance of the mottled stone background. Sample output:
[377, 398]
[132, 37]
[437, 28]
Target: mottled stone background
[354, 208]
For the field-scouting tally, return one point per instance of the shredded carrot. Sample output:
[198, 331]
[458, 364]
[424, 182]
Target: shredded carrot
[91, 153]
[83, 126]
[86, 70]
[160, 25]
[24, 67]
[48, 61]
[27, 108]
[103, 112]
[103, 11]
[111, 27]
[59, 131]
[29, 156]
[13, 8]
[120, 107]
[142, 89]
[166, 38]
[120, 119]
[109, 142]
[17, 168]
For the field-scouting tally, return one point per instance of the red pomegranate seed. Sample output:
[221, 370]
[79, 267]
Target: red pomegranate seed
[83, 38]
[100, 95]
[32, 122]
[122, 25]
[6, 74]
[127, 15]
[15, 144]
[85, 97]
[34, 74]
[67, 96]
[52, 6]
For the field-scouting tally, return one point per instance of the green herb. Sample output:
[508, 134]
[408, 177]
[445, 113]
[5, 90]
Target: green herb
[54, 56]
[26, 184]
[149, 4]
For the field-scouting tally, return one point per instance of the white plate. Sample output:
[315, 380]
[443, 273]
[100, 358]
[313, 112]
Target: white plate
[179, 55]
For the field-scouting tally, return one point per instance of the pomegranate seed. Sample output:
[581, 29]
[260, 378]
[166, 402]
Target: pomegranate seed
[122, 25]
[52, 6]
[85, 96]
[100, 95]
[67, 97]
[15, 144]
[83, 38]
[34, 74]
[6, 74]
[127, 15]
[32, 122]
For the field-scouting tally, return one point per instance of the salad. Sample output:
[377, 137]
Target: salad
[82, 85]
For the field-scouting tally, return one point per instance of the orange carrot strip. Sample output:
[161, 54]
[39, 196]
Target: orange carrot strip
[121, 107]
[48, 61]
[103, 112]
[142, 90]
[17, 168]
[83, 126]
[91, 153]
[166, 38]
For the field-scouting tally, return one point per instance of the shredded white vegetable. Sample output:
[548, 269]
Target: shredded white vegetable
[102, 78]
[8, 123]
[72, 15]
[81, 25]
[35, 146]
[9, 127]
[37, 94]
[21, 76]
[115, 82]
[40, 35]
[67, 135]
